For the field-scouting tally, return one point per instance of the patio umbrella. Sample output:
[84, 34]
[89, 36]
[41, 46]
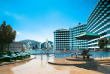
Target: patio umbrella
[87, 36]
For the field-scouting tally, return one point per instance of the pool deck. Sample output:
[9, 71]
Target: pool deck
[63, 66]
[99, 66]
[104, 65]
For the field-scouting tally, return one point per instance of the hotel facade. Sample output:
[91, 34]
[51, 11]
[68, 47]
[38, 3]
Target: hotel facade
[77, 30]
[61, 39]
[98, 22]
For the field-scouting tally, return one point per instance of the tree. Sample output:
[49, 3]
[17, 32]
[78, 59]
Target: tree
[109, 41]
[7, 36]
[2, 35]
[101, 43]
[105, 42]
[11, 34]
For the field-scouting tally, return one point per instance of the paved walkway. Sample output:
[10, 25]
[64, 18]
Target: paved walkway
[38, 66]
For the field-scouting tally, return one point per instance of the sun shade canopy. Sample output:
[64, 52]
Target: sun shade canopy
[87, 36]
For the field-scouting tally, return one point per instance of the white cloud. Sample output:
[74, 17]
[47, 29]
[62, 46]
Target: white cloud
[16, 16]
[18, 33]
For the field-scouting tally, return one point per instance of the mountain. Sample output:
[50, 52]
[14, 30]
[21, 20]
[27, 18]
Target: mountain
[32, 41]
[35, 44]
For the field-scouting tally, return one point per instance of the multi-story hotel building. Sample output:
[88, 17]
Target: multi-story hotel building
[77, 30]
[99, 22]
[61, 39]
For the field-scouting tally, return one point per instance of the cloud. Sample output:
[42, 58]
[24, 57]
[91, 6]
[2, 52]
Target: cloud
[16, 16]
[18, 33]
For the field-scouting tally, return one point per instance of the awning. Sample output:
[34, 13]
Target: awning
[87, 36]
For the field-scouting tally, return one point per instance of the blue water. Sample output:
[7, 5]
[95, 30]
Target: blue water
[62, 55]
[100, 54]
[39, 51]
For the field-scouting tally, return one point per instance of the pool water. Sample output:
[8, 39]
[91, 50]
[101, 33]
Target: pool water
[99, 54]
[39, 51]
[94, 54]
[62, 55]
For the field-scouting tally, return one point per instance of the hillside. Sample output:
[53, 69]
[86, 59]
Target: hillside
[33, 43]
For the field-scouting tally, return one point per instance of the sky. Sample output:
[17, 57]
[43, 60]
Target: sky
[38, 19]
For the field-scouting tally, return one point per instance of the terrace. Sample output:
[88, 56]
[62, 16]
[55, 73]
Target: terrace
[49, 64]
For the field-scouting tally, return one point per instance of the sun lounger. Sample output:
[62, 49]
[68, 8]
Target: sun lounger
[27, 54]
[84, 54]
[4, 56]
[1, 59]
[20, 55]
[76, 54]
[12, 55]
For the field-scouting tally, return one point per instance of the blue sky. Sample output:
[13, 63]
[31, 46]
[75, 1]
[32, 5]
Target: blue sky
[38, 19]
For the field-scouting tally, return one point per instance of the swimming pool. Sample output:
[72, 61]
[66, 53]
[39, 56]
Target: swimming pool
[39, 51]
[100, 54]
[62, 55]
[94, 54]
